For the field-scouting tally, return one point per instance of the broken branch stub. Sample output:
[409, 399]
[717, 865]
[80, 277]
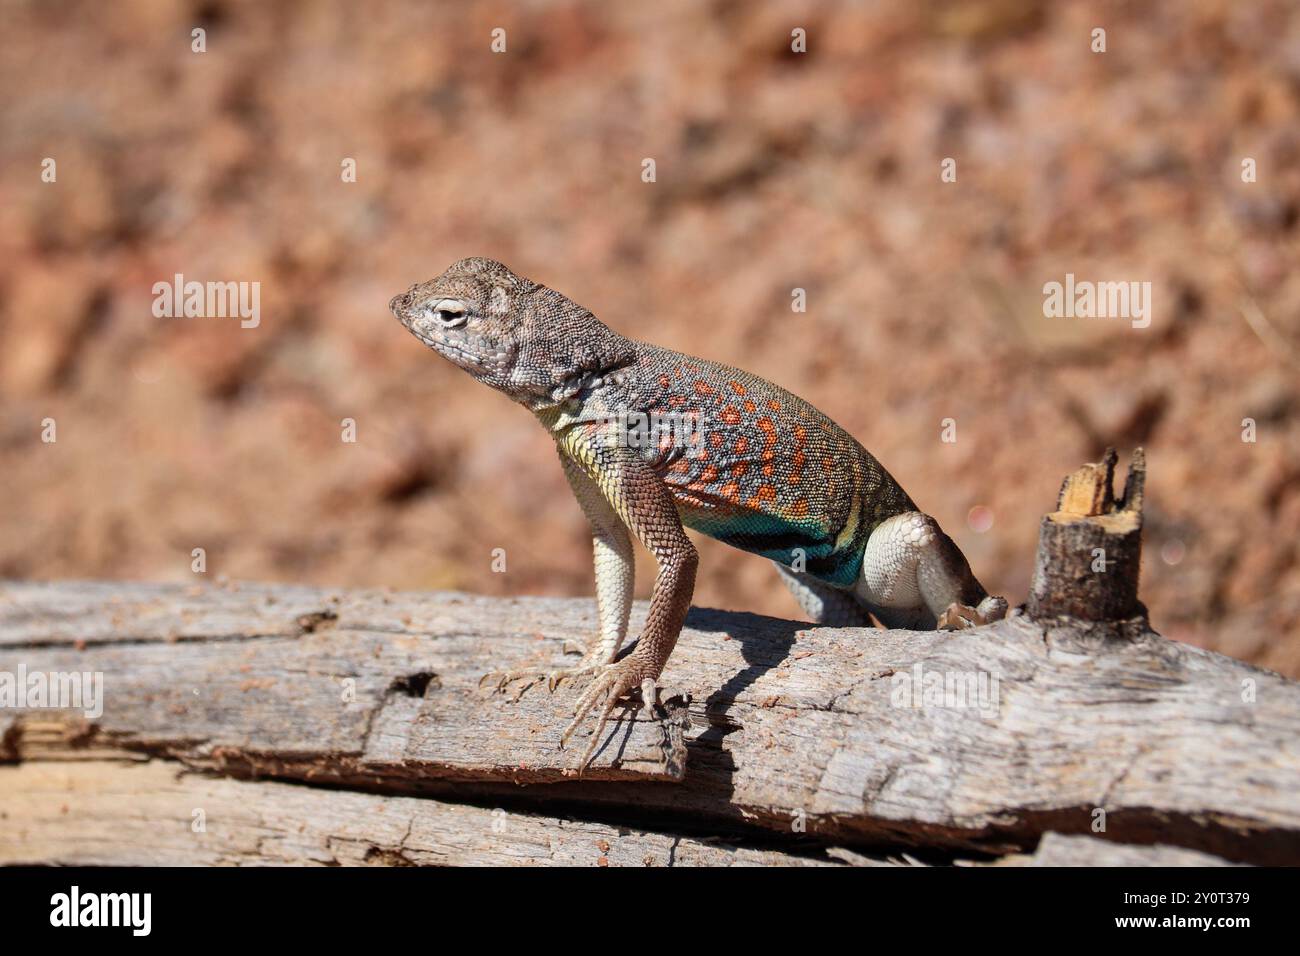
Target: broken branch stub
[1090, 548]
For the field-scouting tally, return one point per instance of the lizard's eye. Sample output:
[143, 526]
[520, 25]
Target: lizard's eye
[449, 312]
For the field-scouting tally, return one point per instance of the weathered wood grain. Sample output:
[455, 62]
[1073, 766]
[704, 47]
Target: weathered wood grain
[145, 813]
[329, 686]
[793, 726]
[1090, 549]
[1056, 849]
[102, 813]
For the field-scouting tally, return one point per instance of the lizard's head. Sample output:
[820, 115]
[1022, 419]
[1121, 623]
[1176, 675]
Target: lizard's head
[509, 332]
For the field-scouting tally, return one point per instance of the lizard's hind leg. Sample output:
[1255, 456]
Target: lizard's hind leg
[822, 602]
[914, 575]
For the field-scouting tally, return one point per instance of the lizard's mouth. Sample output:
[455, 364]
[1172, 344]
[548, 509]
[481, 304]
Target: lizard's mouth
[429, 323]
[466, 358]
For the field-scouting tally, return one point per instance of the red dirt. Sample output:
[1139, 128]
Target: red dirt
[775, 171]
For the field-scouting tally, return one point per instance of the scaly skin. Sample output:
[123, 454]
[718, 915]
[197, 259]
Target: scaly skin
[720, 451]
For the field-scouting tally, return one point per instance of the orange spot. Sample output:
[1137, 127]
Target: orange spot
[737, 387]
[764, 494]
[715, 439]
[798, 459]
[739, 468]
[742, 445]
[769, 443]
[709, 475]
[702, 388]
[664, 381]
[800, 434]
[800, 508]
[828, 465]
[677, 401]
[773, 404]
[730, 491]
[750, 407]
[767, 470]
[730, 416]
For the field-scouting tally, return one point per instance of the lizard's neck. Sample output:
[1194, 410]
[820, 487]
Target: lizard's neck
[590, 397]
[592, 374]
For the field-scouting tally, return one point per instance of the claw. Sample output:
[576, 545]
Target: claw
[959, 617]
[613, 682]
[553, 678]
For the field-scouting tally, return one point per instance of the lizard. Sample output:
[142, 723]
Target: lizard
[653, 442]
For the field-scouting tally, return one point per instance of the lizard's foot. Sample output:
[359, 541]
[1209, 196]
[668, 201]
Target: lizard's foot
[533, 675]
[612, 683]
[959, 616]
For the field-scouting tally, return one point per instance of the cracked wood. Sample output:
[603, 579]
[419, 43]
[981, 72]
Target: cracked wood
[144, 813]
[790, 721]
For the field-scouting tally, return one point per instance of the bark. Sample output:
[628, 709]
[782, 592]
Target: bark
[1090, 548]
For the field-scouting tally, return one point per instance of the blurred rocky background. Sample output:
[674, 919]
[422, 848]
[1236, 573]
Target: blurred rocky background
[775, 170]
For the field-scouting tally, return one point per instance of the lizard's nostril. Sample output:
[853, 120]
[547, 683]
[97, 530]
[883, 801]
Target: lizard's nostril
[398, 302]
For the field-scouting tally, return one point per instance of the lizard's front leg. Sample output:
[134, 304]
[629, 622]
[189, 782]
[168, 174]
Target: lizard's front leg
[645, 504]
[614, 564]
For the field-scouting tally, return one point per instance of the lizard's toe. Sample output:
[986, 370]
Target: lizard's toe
[612, 683]
[993, 609]
[531, 676]
[960, 616]
[554, 676]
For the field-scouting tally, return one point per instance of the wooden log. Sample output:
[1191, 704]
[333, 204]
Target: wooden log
[115, 813]
[143, 813]
[841, 736]
[1090, 548]
[182, 677]
[1057, 849]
